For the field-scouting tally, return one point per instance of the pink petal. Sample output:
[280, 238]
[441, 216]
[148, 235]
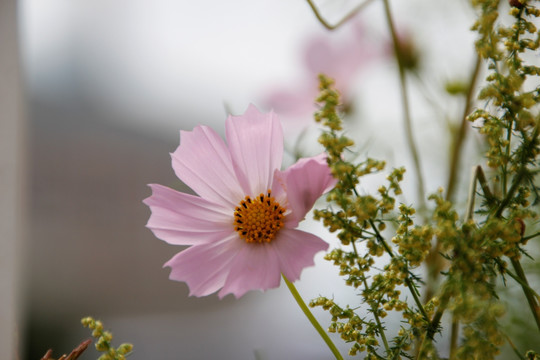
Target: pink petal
[205, 267]
[183, 219]
[296, 250]
[305, 182]
[203, 162]
[256, 146]
[256, 267]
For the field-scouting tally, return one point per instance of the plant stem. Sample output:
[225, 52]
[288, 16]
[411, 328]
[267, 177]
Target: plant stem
[405, 104]
[434, 261]
[408, 282]
[531, 236]
[516, 351]
[533, 304]
[378, 321]
[459, 136]
[454, 338]
[342, 21]
[311, 318]
[517, 279]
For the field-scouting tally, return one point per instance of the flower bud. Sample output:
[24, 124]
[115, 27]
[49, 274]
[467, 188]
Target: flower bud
[516, 3]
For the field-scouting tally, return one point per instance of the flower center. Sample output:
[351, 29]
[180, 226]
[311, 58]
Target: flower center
[259, 219]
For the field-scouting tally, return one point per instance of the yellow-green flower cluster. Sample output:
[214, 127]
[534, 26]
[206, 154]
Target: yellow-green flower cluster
[359, 220]
[473, 252]
[103, 342]
[511, 126]
[413, 243]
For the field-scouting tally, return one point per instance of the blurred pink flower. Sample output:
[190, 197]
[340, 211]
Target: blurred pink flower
[241, 229]
[339, 56]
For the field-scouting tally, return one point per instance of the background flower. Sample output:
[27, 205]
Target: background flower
[340, 54]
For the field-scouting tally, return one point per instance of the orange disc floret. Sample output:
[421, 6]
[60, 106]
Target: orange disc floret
[259, 219]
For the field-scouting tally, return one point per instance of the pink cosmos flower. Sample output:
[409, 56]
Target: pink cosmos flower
[241, 229]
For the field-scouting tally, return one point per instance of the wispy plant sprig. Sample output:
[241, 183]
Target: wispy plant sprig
[359, 220]
[511, 122]
[103, 341]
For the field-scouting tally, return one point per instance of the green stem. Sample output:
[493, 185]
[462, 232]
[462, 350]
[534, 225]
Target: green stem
[416, 298]
[461, 133]
[517, 279]
[520, 175]
[378, 321]
[506, 159]
[434, 261]
[454, 338]
[311, 318]
[518, 178]
[342, 21]
[533, 304]
[531, 236]
[478, 176]
[488, 195]
[516, 351]
[408, 282]
[405, 105]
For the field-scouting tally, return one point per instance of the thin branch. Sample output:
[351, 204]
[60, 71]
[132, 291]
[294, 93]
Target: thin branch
[518, 279]
[72, 355]
[378, 321]
[346, 18]
[406, 111]
[531, 236]
[478, 176]
[312, 318]
[462, 131]
[533, 304]
[454, 338]
[408, 282]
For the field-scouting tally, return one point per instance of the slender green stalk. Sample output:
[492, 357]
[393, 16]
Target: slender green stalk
[312, 319]
[329, 26]
[533, 304]
[416, 298]
[454, 338]
[472, 194]
[374, 312]
[477, 176]
[434, 261]
[516, 351]
[378, 321]
[518, 178]
[506, 156]
[531, 236]
[408, 282]
[488, 195]
[459, 136]
[517, 279]
[405, 104]
[419, 352]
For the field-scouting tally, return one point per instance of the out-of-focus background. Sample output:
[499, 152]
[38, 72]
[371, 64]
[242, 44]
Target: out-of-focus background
[105, 87]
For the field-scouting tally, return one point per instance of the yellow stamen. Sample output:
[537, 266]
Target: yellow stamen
[259, 219]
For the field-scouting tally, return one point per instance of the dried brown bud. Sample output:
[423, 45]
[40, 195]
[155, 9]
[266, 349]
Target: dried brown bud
[520, 226]
[516, 3]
